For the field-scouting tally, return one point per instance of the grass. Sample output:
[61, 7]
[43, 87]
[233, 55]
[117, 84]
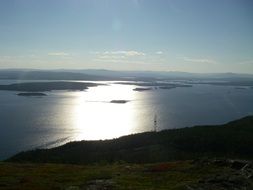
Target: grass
[178, 175]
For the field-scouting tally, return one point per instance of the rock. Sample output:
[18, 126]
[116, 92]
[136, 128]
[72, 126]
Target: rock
[221, 162]
[100, 184]
[72, 188]
[247, 171]
[238, 164]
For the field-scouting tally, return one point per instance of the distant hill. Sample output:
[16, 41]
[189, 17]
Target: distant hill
[233, 140]
[163, 74]
[49, 75]
[102, 74]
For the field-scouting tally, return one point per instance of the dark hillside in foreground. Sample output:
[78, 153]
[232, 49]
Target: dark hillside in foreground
[233, 140]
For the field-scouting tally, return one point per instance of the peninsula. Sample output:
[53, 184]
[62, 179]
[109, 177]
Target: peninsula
[47, 86]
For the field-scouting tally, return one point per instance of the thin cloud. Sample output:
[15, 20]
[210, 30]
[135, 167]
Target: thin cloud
[119, 56]
[247, 62]
[125, 53]
[58, 54]
[199, 60]
[120, 61]
[131, 57]
[94, 52]
[159, 52]
[112, 57]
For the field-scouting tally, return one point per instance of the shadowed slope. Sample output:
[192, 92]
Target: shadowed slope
[233, 140]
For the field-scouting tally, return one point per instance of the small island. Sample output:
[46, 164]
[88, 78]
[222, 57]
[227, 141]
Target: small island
[154, 85]
[141, 89]
[166, 87]
[31, 94]
[119, 101]
[240, 88]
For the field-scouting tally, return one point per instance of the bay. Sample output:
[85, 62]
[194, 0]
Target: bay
[64, 116]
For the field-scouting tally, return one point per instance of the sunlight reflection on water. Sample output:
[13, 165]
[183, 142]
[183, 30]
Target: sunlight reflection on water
[63, 116]
[96, 118]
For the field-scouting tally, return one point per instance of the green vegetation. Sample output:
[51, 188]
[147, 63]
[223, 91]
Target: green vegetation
[231, 140]
[180, 175]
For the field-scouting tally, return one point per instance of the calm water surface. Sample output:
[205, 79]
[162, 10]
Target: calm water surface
[63, 116]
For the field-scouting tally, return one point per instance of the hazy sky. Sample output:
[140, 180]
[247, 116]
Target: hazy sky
[167, 35]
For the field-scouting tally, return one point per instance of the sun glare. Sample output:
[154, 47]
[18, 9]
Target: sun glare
[97, 118]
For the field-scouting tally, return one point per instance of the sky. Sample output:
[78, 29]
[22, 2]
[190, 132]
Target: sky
[202, 36]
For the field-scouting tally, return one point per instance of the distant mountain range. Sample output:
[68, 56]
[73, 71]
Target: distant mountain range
[101, 74]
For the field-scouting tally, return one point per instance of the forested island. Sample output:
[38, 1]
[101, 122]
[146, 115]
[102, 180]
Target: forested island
[47, 86]
[119, 101]
[141, 89]
[31, 94]
[154, 85]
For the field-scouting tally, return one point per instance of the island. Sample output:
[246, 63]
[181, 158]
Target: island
[156, 84]
[144, 86]
[48, 86]
[119, 101]
[166, 87]
[31, 94]
[241, 88]
[141, 89]
[236, 83]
